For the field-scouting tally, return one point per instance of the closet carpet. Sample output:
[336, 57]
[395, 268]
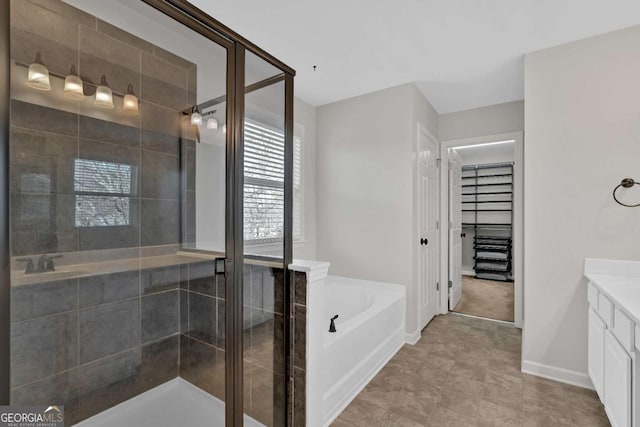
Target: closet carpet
[486, 298]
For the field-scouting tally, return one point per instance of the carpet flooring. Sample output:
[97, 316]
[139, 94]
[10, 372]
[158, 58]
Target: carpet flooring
[486, 298]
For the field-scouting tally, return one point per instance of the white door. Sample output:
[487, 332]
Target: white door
[427, 185]
[455, 229]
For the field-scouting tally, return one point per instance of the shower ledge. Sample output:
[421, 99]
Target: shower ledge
[74, 271]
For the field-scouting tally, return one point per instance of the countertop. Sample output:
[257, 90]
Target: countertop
[74, 271]
[619, 281]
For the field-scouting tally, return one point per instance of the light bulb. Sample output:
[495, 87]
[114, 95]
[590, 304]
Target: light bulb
[224, 128]
[38, 77]
[130, 102]
[73, 86]
[104, 96]
[212, 123]
[196, 118]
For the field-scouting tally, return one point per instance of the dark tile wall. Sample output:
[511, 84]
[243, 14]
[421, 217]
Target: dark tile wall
[93, 342]
[202, 355]
[46, 138]
[298, 403]
[202, 327]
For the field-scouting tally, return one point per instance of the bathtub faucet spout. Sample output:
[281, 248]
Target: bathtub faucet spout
[332, 326]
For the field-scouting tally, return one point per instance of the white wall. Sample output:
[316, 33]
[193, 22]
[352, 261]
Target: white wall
[365, 185]
[582, 137]
[483, 121]
[305, 125]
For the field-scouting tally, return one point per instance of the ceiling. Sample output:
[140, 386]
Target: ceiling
[462, 54]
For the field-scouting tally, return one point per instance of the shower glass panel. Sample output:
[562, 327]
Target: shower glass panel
[264, 225]
[117, 163]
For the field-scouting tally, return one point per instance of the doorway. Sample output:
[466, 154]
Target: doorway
[482, 199]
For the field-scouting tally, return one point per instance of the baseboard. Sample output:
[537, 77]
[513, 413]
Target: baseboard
[412, 338]
[468, 273]
[578, 379]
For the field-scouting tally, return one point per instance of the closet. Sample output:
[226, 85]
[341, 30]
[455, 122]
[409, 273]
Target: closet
[487, 211]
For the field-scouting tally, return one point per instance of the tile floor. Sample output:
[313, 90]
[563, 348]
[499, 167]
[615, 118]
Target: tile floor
[466, 372]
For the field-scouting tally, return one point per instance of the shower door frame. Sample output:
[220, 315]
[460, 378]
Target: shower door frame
[236, 46]
[5, 253]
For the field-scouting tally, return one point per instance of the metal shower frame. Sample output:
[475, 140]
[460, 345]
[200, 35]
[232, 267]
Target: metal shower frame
[236, 47]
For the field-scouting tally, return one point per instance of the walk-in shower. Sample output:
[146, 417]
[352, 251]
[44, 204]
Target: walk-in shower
[150, 213]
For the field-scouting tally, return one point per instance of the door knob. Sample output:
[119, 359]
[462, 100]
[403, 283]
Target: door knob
[424, 241]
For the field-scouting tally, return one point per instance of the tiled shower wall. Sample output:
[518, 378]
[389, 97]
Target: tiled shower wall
[92, 342]
[298, 404]
[89, 343]
[202, 345]
[45, 141]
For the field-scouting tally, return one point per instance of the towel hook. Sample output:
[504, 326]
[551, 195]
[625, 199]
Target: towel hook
[625, 183]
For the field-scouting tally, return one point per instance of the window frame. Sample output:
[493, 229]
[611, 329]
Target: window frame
[133, 177]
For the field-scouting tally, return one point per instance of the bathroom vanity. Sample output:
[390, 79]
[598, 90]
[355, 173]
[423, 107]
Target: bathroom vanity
[614, 337]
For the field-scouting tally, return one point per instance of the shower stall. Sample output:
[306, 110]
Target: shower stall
[147, 177]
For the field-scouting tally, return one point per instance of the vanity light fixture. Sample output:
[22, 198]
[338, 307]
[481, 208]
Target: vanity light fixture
[38, 77]
[104, 96]
[212, 123]
[196, 117]
[73, 86]
[130, 102]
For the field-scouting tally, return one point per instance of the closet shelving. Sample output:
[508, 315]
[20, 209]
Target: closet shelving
[487, 200]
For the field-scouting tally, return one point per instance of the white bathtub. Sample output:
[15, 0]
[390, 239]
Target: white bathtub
[370, 329]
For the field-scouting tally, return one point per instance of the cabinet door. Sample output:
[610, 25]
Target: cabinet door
[617, 382]
[596, 352]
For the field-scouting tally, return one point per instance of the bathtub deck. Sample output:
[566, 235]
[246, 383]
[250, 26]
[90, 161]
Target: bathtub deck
[175, 403]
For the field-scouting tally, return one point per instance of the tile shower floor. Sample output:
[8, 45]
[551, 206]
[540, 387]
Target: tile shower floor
[175, 403]
[466, 372]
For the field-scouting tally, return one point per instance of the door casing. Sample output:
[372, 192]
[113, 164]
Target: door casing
[518, 217]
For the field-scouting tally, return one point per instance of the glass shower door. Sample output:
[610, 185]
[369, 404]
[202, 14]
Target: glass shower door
[264, 225]
[118, 169]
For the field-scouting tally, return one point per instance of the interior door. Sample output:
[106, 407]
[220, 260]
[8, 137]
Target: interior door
[427, 172]
[455, 229]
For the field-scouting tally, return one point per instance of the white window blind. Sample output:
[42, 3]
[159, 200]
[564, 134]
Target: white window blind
[264, 184]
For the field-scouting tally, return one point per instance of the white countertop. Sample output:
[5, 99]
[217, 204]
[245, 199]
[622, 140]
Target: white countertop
[619, 281]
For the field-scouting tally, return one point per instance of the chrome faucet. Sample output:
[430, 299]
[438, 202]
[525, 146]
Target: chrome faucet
[45, 264]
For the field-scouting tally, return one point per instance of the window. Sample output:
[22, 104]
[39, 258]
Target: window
[103, 192]
[264, 184]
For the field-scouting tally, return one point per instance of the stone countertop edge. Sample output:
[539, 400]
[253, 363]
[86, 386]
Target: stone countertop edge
[106, 267]
[122, 265]
[619, 281]
[315, 270]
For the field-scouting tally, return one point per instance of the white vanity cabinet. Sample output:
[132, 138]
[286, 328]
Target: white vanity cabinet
[610, 362]
[596, 352]
[617, 382]
[614, 337]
